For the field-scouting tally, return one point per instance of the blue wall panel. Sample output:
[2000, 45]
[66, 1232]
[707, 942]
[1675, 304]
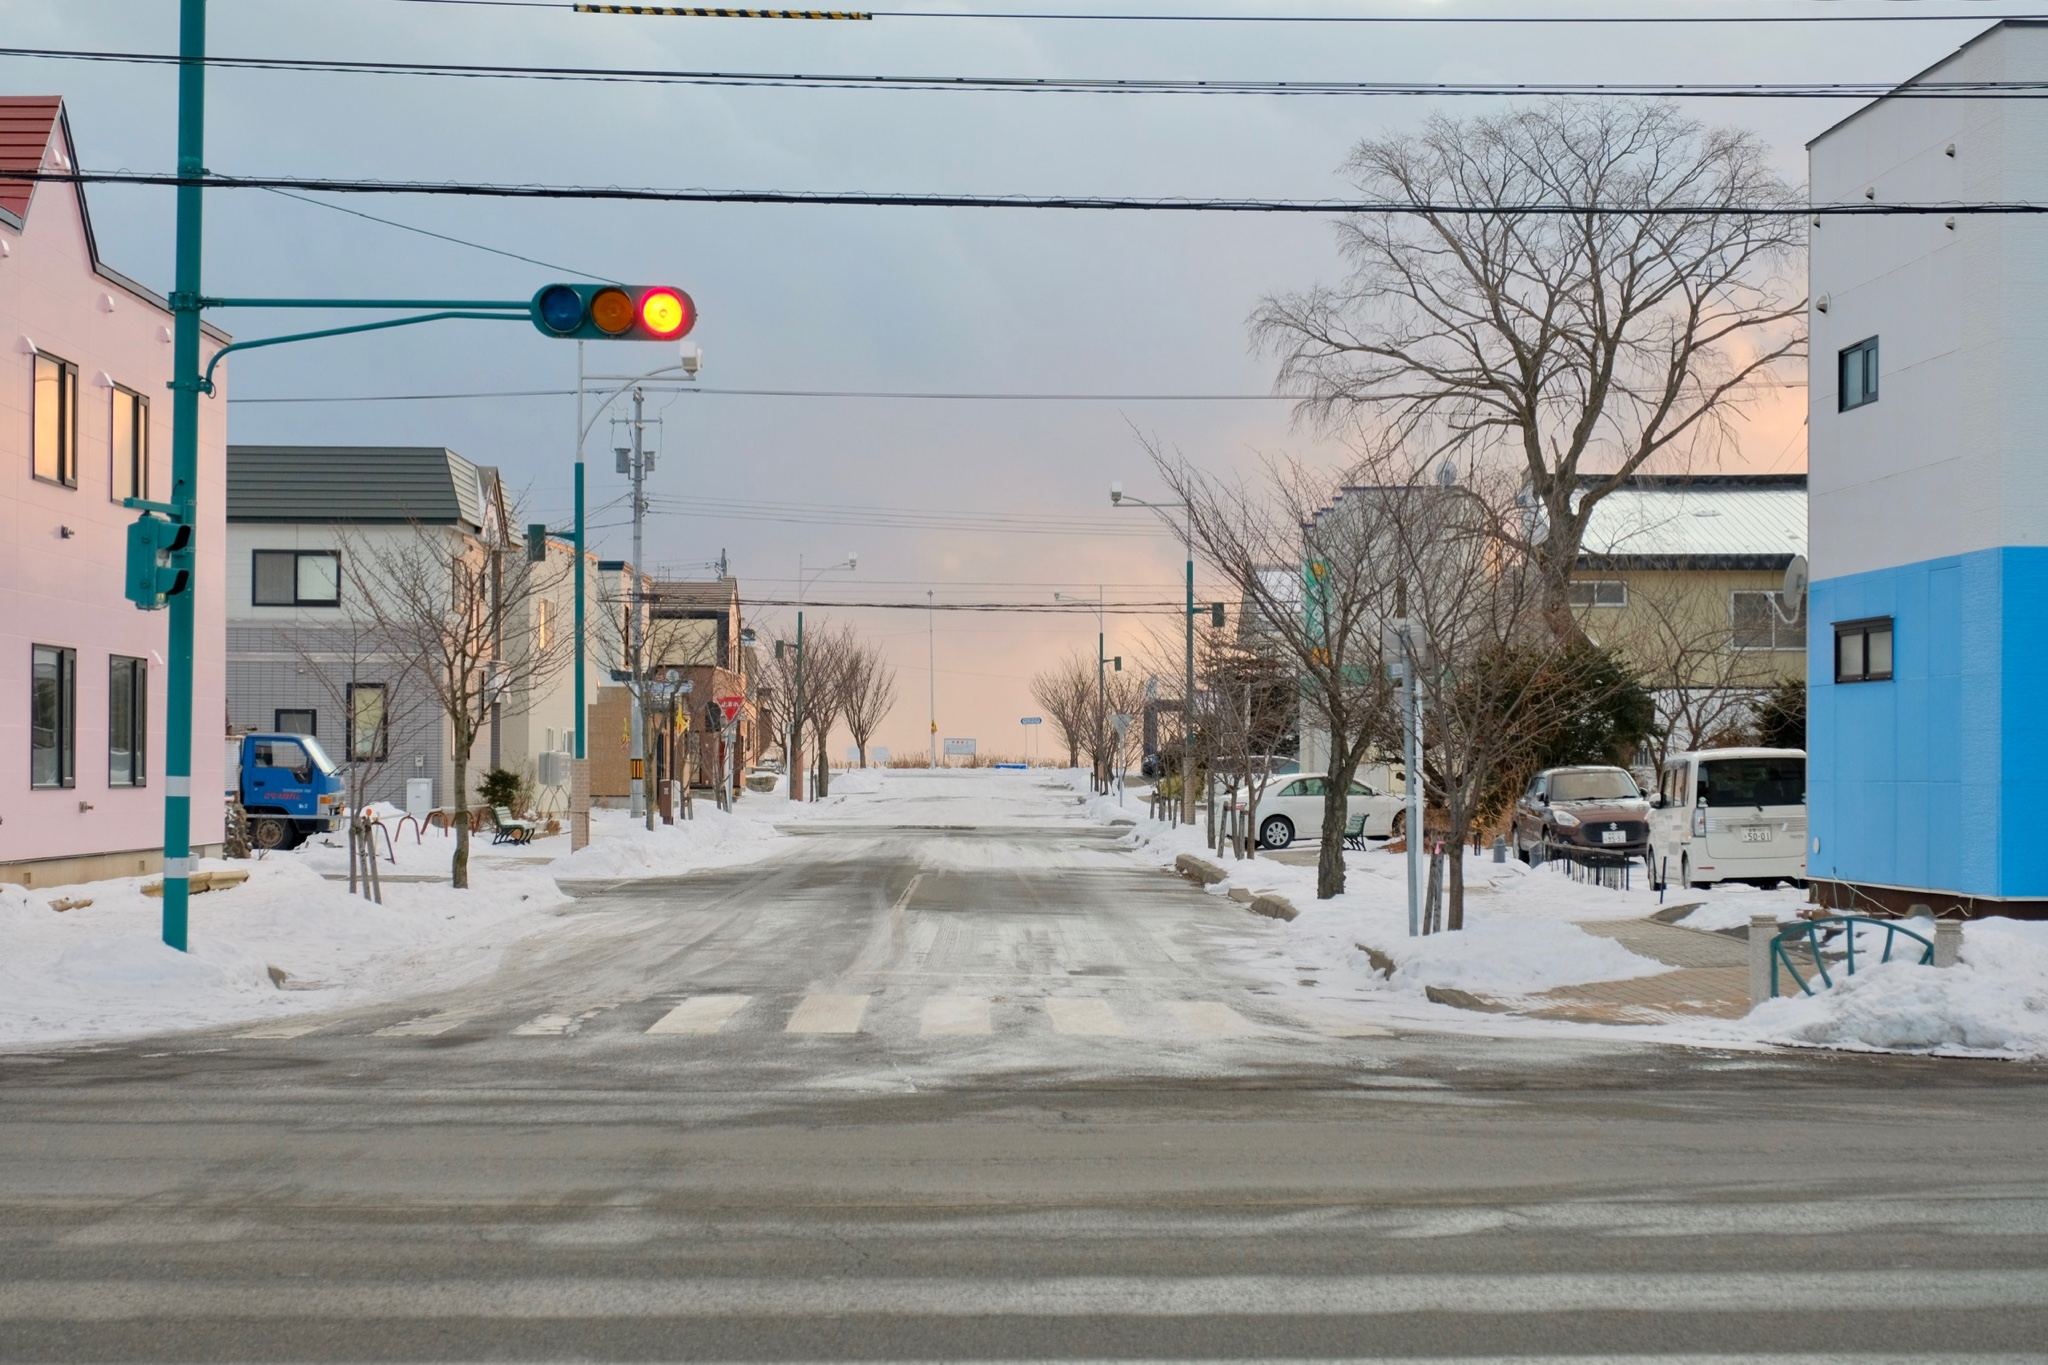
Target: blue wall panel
[1923, 781]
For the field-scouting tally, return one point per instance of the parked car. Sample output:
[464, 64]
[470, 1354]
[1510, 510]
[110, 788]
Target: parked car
[1294, 808]
[1730, 815]
[1587, 812]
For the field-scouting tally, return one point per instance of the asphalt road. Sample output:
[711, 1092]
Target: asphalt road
[989, 1093]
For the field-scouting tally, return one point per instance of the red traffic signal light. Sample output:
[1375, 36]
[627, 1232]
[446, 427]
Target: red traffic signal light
[614, 312]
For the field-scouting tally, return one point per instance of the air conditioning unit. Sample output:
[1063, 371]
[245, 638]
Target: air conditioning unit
[552, 768]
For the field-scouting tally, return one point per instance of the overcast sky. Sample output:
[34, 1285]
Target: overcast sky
[847, 298]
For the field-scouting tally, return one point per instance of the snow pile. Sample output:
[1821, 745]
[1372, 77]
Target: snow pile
[621, 846]
[1994, 1001]
[101, 970]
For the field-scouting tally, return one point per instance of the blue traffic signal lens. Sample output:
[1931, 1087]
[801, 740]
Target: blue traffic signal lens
[561, 308]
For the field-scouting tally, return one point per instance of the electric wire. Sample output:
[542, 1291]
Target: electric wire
[1476, 20]
[442, 237]
[1972, 89]
[878, 394]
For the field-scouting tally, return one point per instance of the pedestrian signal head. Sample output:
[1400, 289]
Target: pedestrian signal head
[613, 312]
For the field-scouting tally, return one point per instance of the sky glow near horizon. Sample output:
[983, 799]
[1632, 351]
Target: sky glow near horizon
[848, 298]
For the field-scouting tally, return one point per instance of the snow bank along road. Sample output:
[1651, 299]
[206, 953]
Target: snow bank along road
[954, 1077]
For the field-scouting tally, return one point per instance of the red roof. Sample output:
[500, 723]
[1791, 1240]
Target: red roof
[27, 123]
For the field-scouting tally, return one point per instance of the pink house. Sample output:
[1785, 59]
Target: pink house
[85, 421]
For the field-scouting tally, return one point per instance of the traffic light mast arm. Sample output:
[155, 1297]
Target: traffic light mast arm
[206, 381]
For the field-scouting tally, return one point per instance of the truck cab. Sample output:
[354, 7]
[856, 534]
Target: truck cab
[288, 786]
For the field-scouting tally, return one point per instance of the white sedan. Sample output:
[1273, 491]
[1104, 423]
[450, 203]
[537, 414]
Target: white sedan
[1293, 809]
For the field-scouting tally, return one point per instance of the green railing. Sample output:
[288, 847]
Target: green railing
[1810, 932]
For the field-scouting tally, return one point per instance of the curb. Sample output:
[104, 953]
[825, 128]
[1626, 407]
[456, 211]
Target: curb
[1273, 907]
[1464, 1000]
[1199, 870]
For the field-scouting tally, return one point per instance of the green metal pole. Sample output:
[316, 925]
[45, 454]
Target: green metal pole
[1187, 699]
[796, 727]
[184, 468]
[578, 539]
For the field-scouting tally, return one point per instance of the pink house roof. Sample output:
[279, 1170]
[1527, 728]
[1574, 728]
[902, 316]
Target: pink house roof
[27, 123]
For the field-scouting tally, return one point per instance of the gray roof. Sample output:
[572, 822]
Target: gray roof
[1702, 522]
[428, 484]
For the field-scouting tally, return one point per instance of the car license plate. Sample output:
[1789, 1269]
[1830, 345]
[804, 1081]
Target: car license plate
[1756, 834]
[1614, 836]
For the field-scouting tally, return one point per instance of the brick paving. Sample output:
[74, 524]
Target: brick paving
[1712, 979]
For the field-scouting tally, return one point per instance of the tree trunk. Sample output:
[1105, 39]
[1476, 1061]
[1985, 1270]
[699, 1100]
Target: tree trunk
[1336, 809]
[863, 746]
[1459, 815]
[459, 874]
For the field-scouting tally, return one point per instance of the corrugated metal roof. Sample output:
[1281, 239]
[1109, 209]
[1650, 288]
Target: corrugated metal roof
[27, 123]
[1701, 524]
[429, 484]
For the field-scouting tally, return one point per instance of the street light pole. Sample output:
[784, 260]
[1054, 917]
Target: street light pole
[579, 779]
[931, 627]
[1187, 696]
[796, 712]
[634, 631]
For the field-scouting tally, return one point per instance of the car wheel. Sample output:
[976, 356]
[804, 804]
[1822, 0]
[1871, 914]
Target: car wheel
[1650, 868]
[1398, 826]
[1685, 874]
[1277, 832]
[270, 831]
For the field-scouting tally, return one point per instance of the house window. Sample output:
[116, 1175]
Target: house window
[53, 724]
[1863, 650]
[1760, 622]
[1858, 375]
[127, 719]
[292, 721]
[130, 469]
[55, 420]
[1599, 592]
[368, 738]
[543, 625]
[297, 578]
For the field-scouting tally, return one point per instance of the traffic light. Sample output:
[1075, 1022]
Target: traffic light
[614, 312]
[537, 542]
[153, 575]
[1215, 613]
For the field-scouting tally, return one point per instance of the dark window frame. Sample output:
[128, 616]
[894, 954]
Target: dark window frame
[277, 715]
[1786, 636]
[66, 475]
[1862, 629]
[64, 724]
[1864, 355]
[130, 676]
[1592, 588]
[137, 475]
[256, 578]
[381, 751]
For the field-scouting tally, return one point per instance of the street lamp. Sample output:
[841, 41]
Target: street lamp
[796, 711]
[1187, 703]
[1102, 660]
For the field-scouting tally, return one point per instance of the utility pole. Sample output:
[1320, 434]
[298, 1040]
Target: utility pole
[931, 626]
[1411, 761]
[579, 762]
[1187, 708]
[185, 386]
[635, 635]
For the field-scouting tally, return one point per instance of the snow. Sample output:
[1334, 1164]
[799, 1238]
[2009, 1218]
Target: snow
[622, 847]
[1993, 1002]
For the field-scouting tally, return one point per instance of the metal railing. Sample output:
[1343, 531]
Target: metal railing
[1808, 932]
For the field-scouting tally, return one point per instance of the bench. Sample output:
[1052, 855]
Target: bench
[1354, 831]
[510, 831]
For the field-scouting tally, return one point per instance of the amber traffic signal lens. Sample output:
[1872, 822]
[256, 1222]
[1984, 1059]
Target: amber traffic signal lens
[612, 311]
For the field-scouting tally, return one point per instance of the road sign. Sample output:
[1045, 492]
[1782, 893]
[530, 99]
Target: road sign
[731, 706]
[959, 748]
[1032, 720]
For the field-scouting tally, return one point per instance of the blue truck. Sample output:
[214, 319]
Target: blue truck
[287, 784]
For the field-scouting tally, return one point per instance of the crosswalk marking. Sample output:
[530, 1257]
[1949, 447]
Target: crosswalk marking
[546, 1025]
[1083, 1017]
[954, 1015]
[296, 1030]
[427, 1026]
[701, 1014]
[827, 1014]
[1211, 1018]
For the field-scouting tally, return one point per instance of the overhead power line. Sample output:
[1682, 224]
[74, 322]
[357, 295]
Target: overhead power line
[1044, 609]
[1376, 20]
[884, 394]
[890, 199]
[1841, 90]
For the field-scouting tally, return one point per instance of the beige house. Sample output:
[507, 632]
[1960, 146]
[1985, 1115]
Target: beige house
[1683, 575]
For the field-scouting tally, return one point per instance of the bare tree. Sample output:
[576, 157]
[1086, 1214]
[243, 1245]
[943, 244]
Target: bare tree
[1312, 566]
[1248, 704]
[870, 694]
[661, 640]
[826, 651]
[1066, 692]
[446, 602]
[1567, 287]
[364, 685]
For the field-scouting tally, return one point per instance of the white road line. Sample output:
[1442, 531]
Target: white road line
[427, 1026]
[827, 1014]
[298, 1030]
[1211, 1018]
[1083, 1017]
[556, 1025]
[701, 1014]
[954, 1015]
[1735, 1293]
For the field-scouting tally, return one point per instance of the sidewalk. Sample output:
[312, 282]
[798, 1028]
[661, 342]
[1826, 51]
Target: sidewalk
[1712, 979]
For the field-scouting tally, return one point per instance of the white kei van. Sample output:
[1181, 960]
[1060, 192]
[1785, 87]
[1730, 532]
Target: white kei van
[1730, 815]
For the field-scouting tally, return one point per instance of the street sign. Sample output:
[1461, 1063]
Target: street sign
[731, 706]
[1032, 720]
[959, 748]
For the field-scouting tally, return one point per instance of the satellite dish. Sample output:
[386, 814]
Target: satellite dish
[1795, 580]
